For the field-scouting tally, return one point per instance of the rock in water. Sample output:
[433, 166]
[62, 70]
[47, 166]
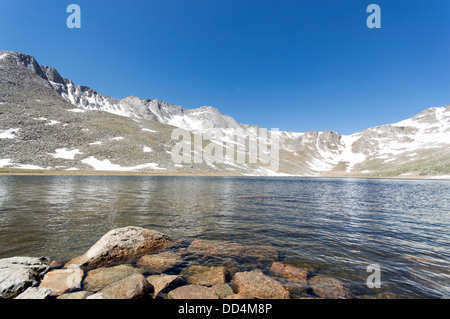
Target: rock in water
[99, 278]
[193, 292]
[164, 283]
[329, 288]
[255, 284]
[132, 287]
[19, 273]
[161, 262]
[299, 275]
[223, 290]
[205, 276]
[206, 247]
[119, 245]
[34, 293]
[60, 281]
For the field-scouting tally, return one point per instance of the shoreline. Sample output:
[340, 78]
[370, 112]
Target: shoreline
[36, 172]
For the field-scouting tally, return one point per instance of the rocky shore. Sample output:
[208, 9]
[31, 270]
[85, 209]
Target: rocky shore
[133, 262]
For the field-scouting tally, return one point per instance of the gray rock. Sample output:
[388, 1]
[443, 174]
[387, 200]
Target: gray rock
[19, 273]
[34, 293]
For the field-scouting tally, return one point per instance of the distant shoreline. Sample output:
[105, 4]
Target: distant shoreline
[36, 172]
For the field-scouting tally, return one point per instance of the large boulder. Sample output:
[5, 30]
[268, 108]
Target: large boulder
[329, 288]
[19, 273]
[255, 284]
[60, 281]
[132, 287]
[193, 292]
[119, 245]
[99, 278]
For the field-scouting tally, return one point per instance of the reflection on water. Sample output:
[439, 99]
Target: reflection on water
[335, 227]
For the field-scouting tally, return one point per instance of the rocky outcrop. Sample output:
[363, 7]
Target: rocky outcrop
[19, 273]
[119, 245]
[60, 281]
[255, 284]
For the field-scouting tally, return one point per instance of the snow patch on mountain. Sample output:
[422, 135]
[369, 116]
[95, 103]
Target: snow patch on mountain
[9, 133]
[65, 153]
[106, 165]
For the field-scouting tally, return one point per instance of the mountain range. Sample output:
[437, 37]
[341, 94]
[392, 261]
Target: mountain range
[47, 122]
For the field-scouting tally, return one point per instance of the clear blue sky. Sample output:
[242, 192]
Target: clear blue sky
[294, 65]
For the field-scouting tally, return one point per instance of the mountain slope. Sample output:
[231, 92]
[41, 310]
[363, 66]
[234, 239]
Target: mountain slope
[48, 122]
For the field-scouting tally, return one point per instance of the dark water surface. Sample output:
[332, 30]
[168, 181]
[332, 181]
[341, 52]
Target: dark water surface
[335, 227]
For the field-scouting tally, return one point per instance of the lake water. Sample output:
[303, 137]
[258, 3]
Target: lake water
[335, 227]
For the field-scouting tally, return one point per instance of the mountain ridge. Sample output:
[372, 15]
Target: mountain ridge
[415, 146]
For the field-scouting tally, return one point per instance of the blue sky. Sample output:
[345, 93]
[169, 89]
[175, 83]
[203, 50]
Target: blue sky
[296, 65]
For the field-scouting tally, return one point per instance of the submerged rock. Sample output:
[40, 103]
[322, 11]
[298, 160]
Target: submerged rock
[119, 245]
[193, 292]
[19, 273]
[215, 248]
[234, 250]
[329, 288]
[60, 281]
[223, 290]
[161, 262]
[132, 287]
[298, 277]
[205, 276]
[99, 278]
[255, 284]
